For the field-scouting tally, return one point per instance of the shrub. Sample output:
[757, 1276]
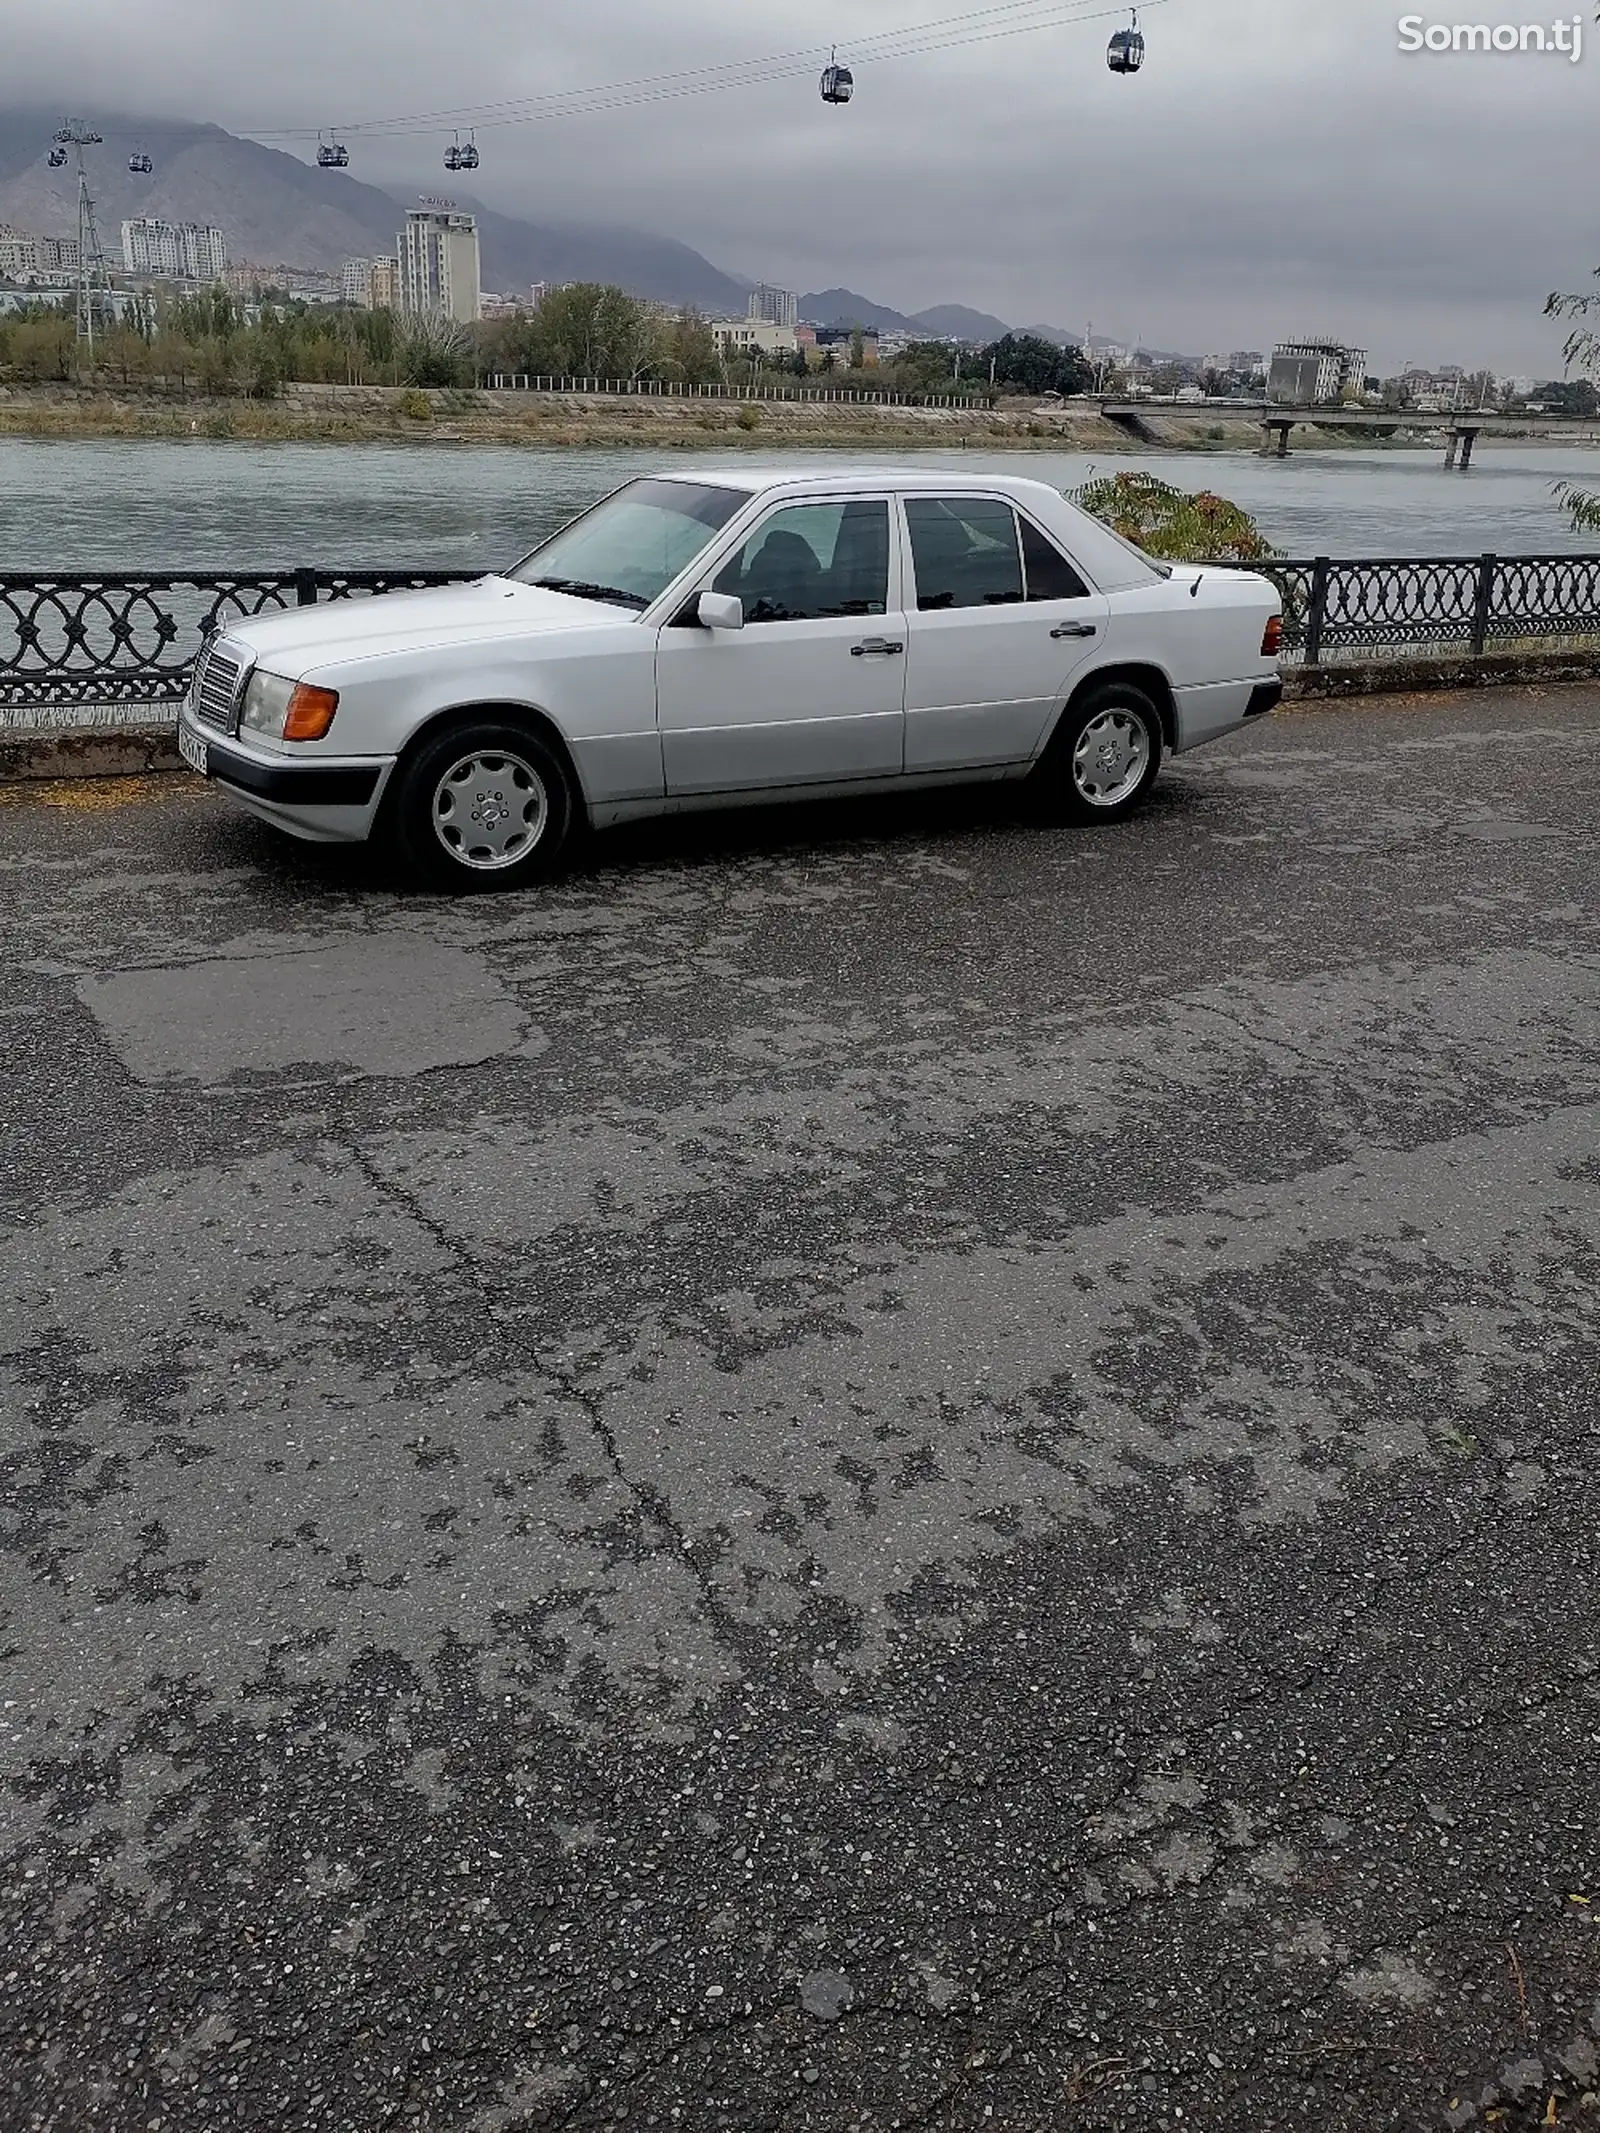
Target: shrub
[748, 417]
[1168, 522]
[416, 405]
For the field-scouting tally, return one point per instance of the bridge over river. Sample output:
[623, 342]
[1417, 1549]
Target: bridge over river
[1462, 427]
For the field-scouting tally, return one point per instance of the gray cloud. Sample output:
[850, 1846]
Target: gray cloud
[1279, 166]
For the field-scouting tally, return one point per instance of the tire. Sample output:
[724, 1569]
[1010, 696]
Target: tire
[1102, 759]
[482, 805]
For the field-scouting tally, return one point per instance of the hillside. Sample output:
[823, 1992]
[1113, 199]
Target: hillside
[272, 208]
[847, 307]
[275, 209]
[960, 322]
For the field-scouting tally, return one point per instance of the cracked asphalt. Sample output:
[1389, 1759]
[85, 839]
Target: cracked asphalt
[870, 1467]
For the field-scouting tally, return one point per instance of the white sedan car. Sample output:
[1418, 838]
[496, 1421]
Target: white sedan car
[716, 639]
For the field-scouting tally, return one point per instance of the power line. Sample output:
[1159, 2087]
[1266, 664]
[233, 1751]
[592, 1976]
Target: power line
[1013, 18]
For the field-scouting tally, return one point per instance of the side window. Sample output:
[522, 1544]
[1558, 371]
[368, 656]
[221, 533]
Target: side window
[1050, 576]
[811, 561]
[965, 551]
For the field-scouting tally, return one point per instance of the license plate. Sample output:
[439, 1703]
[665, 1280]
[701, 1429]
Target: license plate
[193, 750]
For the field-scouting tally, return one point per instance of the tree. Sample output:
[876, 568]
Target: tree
[1167, 522]
[858, 348]
[1582, 352]
[1570, 396]
[593, 330]
[436, 352]
[1029, 364]
[691, 349]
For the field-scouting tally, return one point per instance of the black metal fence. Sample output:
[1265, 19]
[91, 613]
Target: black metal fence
[92, 643]
[1335, 610]
[100, 647]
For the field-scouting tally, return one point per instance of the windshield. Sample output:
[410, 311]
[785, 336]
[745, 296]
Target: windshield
[629, 548]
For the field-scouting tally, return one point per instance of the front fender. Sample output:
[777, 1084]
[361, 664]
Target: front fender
[596, 692]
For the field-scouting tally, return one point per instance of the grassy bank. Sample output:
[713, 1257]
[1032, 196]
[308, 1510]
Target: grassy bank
[362, 414]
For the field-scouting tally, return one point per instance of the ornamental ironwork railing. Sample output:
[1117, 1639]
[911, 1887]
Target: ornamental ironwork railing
[76, 646]
[111, 639]
[1337, 610]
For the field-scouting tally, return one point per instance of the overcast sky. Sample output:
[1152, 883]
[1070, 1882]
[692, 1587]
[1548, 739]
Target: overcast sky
[1279, 168]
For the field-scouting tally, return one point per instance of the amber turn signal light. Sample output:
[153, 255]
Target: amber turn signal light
[1271, 644]
[310, 713]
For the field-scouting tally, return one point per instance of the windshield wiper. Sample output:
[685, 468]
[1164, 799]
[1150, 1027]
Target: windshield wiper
[581, 589]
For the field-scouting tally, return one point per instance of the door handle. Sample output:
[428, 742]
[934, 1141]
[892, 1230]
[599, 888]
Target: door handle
[876, 648]
[1073, 629]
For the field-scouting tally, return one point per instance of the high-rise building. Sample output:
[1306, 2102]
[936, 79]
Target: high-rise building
[355, 282]
[173, 251]
[59, 255]
[19, 253]
[1315, 373]
[205, 252]
[385, 294]
[777, 307]
[439, 273]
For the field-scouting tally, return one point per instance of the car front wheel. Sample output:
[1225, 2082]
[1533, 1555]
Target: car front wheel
[482, 805]
[1102, 758]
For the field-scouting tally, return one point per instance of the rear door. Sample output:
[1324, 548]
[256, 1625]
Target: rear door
[812, 689]
[998, 622]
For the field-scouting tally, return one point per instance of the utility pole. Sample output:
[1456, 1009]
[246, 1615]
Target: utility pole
[94, 280]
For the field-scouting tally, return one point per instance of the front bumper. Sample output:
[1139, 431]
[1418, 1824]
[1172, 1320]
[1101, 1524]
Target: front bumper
[328, 802]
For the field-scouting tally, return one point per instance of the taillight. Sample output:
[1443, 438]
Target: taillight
[1272, 638]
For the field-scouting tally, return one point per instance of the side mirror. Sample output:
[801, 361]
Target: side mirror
[720, 611]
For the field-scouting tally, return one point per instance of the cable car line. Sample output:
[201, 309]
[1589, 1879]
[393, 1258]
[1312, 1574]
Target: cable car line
[693, 81]
[1014, 19]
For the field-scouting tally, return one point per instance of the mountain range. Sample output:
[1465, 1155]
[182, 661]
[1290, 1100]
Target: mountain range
[956, 322]
[275, 209]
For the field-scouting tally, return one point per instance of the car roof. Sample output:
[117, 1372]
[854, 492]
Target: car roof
[1110, 563]
[848, 474]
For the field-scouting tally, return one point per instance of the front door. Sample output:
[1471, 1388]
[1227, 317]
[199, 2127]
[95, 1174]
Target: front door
[812, 690]
[999, 621]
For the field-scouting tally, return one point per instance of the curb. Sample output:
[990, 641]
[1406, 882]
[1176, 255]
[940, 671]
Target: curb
[88, 752]
[1409, 677]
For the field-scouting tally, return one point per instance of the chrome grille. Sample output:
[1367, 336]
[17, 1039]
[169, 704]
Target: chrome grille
[216, 688]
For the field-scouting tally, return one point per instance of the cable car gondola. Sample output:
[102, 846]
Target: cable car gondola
[458, 158]
[332, 155]
[838, 83]
[140, 164]
[1125, 53]
[57, 158]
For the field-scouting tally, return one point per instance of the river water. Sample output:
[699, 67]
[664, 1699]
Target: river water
[207, 506]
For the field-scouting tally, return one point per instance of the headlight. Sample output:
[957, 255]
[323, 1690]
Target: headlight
[266, 703]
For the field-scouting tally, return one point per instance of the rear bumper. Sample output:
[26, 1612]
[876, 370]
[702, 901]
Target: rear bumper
[1209, 710]
[1265, 697]
[328, 803]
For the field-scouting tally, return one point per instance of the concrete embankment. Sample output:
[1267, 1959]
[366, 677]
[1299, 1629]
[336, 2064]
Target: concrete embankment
[378, 413]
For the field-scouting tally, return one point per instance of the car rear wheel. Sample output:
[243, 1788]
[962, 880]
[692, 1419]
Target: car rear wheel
[1103, 757]
[482, 806]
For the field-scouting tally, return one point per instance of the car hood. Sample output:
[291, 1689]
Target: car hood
[303, 639]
